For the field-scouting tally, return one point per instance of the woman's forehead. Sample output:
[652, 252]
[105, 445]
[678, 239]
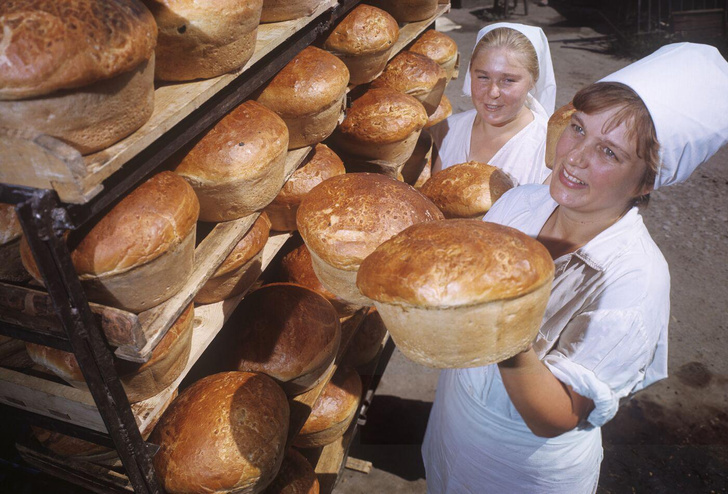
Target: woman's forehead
[501, 57]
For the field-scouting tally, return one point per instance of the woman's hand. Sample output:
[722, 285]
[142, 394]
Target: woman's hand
[548, 407]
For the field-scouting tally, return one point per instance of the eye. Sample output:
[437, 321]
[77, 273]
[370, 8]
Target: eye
[577, 128]
[483, 77]
[609, 154]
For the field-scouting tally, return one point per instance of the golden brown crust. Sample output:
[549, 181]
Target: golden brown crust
[364, 30]
[312, 81]
[10, 228]
[411, 73]
[444, 110]
[48, 45]
[158, 214]
[337, 402]
[454, 263]
[64, 445]
[557, 123]
[241, 145]
[285, 10]
[367, 340]
[467, 190]
[343, 219]
[436, 45]
[289, 332]
[383, 115]
[251, 243]
[296, 476]
[225, 432]
[408, 10]
[323, 164]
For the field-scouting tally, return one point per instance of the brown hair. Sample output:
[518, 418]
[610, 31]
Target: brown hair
[633, 113]
[515, 41]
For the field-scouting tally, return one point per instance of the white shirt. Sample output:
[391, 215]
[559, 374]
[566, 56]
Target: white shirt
[523, 156]
[604, 333]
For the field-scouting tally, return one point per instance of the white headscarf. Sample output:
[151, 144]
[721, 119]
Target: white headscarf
[685, 88]
[544, 90]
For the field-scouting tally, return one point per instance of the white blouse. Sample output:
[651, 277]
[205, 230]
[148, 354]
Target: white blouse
[522, 156]
[604, 333]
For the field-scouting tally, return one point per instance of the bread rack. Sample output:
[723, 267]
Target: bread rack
[55, 189]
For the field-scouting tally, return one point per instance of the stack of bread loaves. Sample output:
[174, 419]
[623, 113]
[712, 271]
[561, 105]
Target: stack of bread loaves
[288, 332]
[142, 251]
[459, 293]
[286, 10]
[467, 190]
[558, 122]
[439, 47]
[309, 95]
[363, 40]
[83, 73]
[343, 219]
[224, 433]
[140, 381]
[408, 10]
[237, 167]
[296, 476]
[204, 38]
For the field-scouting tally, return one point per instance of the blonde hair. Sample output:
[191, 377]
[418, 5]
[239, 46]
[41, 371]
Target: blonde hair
[516, 42]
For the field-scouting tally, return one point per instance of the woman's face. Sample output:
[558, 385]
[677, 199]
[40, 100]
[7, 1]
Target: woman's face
[596, 172]
[499, 85]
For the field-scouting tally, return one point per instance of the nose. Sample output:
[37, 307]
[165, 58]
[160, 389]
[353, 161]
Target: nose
[576, 156]
[493, 90]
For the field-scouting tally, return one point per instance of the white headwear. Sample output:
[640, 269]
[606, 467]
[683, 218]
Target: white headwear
[685, 88]
[545, 89]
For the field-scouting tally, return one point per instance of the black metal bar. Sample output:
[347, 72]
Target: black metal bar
[51, 339]
[89, 346]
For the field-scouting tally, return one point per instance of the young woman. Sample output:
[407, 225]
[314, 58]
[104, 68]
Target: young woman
[511, 83]
[532, 423]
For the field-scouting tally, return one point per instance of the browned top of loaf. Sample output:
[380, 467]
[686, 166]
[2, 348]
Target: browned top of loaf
[225, 431]
[557, 123]
[288, 331]
[365, 30]
[338, 400]
[435, 45]
[9, 225]
[296, 476]
[444, 110]
[65, 363]
[205, 14]
[467, 189]
[383, 115]
[343, 219]
[312, 81]
[454, 263]
[296, 267]
[239, 146]
[251, 243]
[46, 45]
[157, 215]
[323, 164]
[410, 72]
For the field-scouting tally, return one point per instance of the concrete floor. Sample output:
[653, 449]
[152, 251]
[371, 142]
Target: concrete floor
[669, 438]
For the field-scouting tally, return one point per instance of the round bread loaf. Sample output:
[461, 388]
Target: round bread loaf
[363, 40]
[141, 252]
[366, 342]
[204, 38]
[68, 446]
[439, 47]
[140, 381]
[467, 190]
[296, 267]
[558, 122]
[459, 293]
[10, 229]
[408, 10]
[290, 333]
[225, 433]
[309, 95]
[286, 10]
[417, 75]
[343, 219]
[296, 476]
[444, 110]
[333, 411]
[238, 166]
[56, 82]
[240, 268]
[322, 164]
[382, 124]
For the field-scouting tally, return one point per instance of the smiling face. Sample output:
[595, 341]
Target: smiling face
[499, 85]
[597, 172]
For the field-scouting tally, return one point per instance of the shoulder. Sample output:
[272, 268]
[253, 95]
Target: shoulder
[519, 203]
[454, 122]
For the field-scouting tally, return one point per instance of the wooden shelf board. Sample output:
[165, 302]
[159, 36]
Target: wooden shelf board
[412, 30]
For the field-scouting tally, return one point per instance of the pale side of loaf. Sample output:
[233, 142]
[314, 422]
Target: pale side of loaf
[558, 122]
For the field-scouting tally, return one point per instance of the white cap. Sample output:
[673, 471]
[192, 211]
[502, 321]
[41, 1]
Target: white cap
[685, 88]
[545, 89]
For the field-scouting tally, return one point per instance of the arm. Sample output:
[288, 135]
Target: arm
[548, 406]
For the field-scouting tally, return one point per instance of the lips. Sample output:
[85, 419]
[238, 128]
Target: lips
[571, 179]
[492, 107]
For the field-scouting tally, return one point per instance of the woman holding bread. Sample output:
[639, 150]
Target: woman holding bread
[531, 423]
[511, 83]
